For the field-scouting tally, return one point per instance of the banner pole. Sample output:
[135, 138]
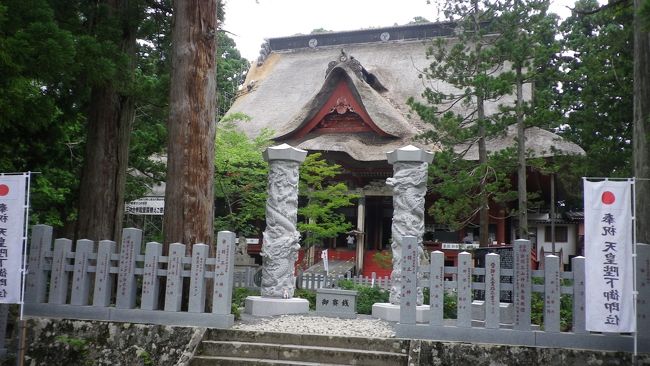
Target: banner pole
[23, 330]
[634, 264]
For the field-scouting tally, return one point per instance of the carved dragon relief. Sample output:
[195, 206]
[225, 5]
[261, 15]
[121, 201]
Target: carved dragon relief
[281, 238]
[409, 187]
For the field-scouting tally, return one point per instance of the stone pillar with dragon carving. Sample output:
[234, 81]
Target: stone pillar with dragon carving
[409, 183]
[281, 238]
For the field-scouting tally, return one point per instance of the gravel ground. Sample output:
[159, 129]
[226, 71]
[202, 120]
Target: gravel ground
[362, 326]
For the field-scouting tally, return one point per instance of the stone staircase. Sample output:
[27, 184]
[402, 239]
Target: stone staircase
[236, 347]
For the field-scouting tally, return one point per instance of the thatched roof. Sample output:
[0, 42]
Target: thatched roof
[539, 143]
[295, 75]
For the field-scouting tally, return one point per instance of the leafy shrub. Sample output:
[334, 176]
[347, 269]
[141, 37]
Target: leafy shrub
[366, 295]
[308, 295]
[239, 295]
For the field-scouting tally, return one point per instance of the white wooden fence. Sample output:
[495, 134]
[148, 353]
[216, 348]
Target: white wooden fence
[95, 282]
[521, 331]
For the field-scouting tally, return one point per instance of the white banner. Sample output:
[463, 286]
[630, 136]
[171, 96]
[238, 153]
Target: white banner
[12, 224]
[609, 282]
[325, 259]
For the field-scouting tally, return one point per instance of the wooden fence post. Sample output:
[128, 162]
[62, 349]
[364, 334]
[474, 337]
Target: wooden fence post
[126, 283]
[437, 288]
[521, 284]
[41, 242]
[492, 291]
[552, 293]
[223, 273]
[464, 282]
[80, 276]
[174, 287]
[150, 280]
[578, 268]
[197, 279]
[408, 297]
[59, 279]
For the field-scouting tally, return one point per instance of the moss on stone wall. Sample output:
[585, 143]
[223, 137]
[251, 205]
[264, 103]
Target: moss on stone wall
[73, 342]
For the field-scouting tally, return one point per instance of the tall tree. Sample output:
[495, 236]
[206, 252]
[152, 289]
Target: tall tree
[189, 194]
[527, 41]
[641, 150]
[110, 117]
[40, 122]
[594, 93]
[473, 67]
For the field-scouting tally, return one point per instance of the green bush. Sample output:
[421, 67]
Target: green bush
[366, 295]
[239, 295]
[308, 295]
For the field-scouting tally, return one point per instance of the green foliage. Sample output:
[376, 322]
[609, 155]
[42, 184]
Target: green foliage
[234, 310]
[240, 178]
[308, 295]
[323, 199]
[460, 183]
[231, 72]
[450, 303]
[145, 356]
[78, 351]
[366, 295]
[595, 90]
[384, 259]
[566, 310]
[240, 294]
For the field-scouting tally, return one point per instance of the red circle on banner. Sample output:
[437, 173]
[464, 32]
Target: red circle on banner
[608, 197]
[4, 189]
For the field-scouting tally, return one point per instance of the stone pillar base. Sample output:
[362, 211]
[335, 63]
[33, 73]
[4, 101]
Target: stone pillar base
[390, 312]
[270, 306]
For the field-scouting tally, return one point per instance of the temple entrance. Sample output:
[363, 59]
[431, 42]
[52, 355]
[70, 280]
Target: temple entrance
[379, 216]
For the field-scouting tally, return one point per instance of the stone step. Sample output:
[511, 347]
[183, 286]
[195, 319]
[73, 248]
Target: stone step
[236, 361]
[300, 353]
[395, 345]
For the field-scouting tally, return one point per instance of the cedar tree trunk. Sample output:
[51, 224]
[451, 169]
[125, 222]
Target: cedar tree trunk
[110, 119]
[189, 194]
[641, 140]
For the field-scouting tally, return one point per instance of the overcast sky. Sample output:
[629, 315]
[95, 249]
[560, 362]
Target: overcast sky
[251, 21]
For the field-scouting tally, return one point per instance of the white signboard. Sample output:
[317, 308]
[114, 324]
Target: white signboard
[608, 256]
[146, 206]
[12, 224]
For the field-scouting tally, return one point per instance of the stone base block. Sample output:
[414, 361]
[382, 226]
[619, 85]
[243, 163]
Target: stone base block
[390, 312]
[505, 309]
[269, 306]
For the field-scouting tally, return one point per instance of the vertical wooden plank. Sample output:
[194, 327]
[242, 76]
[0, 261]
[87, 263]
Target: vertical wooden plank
[174, 287]
[492, 291]
[408, 296]
[552, 293]
[80, 276]
[150, 280]
[222, 299]
[578, 267]
[40, 243]
[197, 279]
[126, 283]
[437, 288]
[521, 284]
[103, 278]
[464, 282]
[59, 279]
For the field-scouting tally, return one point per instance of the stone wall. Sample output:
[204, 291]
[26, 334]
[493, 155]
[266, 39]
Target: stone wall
[433, 353]
[71, 342]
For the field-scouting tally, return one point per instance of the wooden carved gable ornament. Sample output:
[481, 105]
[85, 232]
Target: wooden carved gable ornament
[342, 112]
